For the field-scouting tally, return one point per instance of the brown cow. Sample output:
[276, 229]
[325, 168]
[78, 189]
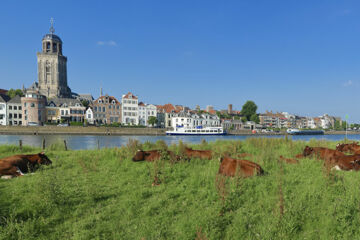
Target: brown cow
[152, 155]
[203, 154]
[343, 163]
[349, 147]
[288, 160]
[17, 165]
[334, 159]
[321, 152]
[231, 167]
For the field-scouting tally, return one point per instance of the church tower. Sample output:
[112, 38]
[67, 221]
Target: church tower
[52, 67]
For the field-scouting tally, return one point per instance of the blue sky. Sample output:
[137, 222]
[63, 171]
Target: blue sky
[297, 56]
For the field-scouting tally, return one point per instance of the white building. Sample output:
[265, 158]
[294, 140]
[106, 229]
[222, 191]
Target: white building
[130, 109]
[326, 121]
[89, 116]
[193, 120]
[311, 123]
[14, 111]
[145, 112]
[3, 107]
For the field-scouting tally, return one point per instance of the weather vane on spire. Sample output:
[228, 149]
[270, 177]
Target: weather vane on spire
[52, 29]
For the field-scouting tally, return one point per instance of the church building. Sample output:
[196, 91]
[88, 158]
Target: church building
[52, 70]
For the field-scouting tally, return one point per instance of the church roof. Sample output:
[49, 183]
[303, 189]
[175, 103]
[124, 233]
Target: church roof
[53, 37]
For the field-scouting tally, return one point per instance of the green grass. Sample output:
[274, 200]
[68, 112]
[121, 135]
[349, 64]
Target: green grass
[102, 194]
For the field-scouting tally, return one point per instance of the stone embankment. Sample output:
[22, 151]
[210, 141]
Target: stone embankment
[78, 130]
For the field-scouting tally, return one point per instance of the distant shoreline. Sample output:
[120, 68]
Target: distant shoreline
[119, 131]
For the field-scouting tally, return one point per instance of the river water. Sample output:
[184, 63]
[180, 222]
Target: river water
[91, 142]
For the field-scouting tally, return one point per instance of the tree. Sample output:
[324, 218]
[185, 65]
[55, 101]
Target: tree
[152, 120]
[243, 119]
[255, 118]
[248, 109]
[85, 103]
[15, 92]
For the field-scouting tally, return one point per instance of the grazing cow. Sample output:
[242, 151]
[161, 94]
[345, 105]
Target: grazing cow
[203, 154]
[152, 155]
[17, 165]
[244, 168]
[288, 160]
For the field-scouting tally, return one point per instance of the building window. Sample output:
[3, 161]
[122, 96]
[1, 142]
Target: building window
[15, 115]
[10, 107]
[103, 109]
[19, 107]
[15, 107]
[10, 115]
[32, 105]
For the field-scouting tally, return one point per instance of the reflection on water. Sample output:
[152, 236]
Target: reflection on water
[91, 142]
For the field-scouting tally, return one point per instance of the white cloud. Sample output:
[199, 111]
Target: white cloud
[348, 83]
[107, 43]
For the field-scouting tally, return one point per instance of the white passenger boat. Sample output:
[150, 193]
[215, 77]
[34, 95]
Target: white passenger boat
[199, 130]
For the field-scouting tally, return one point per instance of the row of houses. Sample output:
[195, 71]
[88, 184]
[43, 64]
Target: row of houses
[286, 120]
[35, 108]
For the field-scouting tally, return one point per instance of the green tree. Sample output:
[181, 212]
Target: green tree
[243, 119]
[85, 103]
[152, 120]
[15, 92]
[248, 109]
[255, 118]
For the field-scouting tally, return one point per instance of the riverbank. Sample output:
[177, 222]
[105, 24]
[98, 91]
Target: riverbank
[122, 131]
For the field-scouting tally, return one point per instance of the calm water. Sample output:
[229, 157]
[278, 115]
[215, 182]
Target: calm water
[90, 142]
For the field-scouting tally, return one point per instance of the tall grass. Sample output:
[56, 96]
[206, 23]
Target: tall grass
[102, 194]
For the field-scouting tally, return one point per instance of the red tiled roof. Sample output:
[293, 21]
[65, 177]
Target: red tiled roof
[212, 112]
[111, 98]
[141, 104]
[130, 94]
[3, 91]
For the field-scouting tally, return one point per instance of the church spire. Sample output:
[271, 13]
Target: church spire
[52, 29]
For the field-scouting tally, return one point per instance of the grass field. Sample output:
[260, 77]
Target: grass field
[102, 194]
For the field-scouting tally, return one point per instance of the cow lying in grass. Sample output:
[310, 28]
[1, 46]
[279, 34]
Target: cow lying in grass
[153, 155]
[17, 165]
[348, 147]
[203, 154]
[236, 167]
[334, 159]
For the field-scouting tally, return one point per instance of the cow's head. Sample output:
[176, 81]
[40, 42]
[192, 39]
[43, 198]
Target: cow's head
[308, 150]
[43, 159]
[139, 156]
[356, 164]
